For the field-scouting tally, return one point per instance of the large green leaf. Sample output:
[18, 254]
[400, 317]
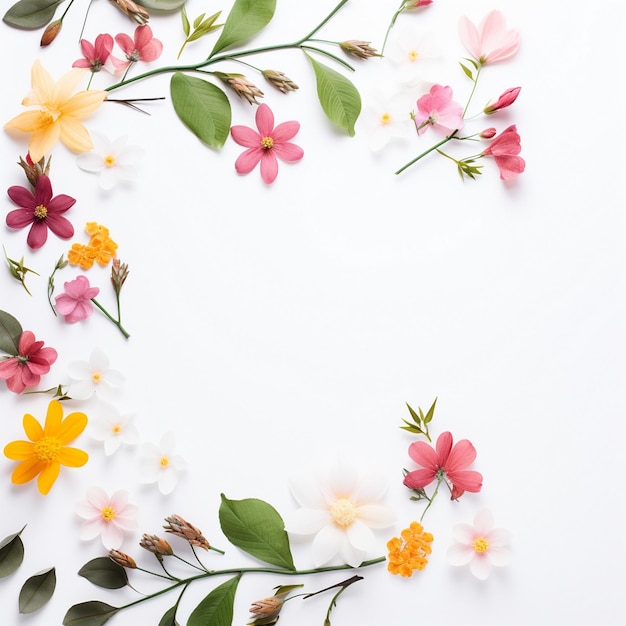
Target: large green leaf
[30, 14]
[11, 554]
[92, 613]
[10, 333]
[164, 6]
[202, 107]
[216, 609]
[104, 572]
[339, 98]
[257, 528]
[37, 590]
[246, 18]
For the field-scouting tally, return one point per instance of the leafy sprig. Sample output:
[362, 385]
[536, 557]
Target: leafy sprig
[419, 425]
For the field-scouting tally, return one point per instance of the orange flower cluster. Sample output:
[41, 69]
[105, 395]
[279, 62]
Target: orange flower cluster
[408, 552]
[100, 249]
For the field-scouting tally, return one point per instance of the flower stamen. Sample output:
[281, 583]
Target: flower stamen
[480, 545]
[267, 143]
[343, 512]
[41, 211]
[47, 449]
[108, 513]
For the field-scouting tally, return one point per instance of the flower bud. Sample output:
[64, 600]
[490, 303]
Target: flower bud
[137, 13]
[49, 35]
[156, 545]
[182, 528]
[416, 4]
[265, 612]
[488, 133]
[361, 49]
[119, 274]
[122, 559]
[279, 80]
[34, 170]
[241, 86]
[505, 100]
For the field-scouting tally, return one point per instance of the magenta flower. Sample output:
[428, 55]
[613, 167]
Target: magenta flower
[437, 109]
[505, 149]
[446, 461]
[41, 210]
[144, 47]
[75, 304]
[266, 145]
[505, 100]
[491, 42]
[98, 56]
[26, 368]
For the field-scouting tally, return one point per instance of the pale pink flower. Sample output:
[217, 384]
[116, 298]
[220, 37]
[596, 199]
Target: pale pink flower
[505, 149]
[28, 365]
[266, 145]
[97, 56]
[106, 517]
[446, 461]
[437, 109]
[491, 42]
[75, 304]
[505, 100]
[144, 47]
[480, 545]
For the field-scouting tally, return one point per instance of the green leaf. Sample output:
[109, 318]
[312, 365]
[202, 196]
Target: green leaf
[339, 98]
[11, 554]
[104, 572]
[430, 413]
[165, 6]
[37, 590]
[10, 333]
[92, 613]
[169, 618]
[202, 107]
[31, 14]
[185, 21]
[257, 528]
[467, 71]
[216, 609]
[246, 18]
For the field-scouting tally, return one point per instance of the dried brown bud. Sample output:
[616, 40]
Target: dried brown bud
[241, 86]
[34, 170]
[156, 545]
[122, 559]
[279, 80]
[182, 528]
[49, 35]
[119, 274]
[265, 612]
[137, 13]
[361, 49]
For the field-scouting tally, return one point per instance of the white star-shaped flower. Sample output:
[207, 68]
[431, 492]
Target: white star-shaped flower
[415, 56]
[113, 428]
[386, 117]
[93, 376]
[160, 464]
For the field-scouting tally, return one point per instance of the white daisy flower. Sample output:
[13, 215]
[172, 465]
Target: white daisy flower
[386, 117]
[113, 429]
[160, 465]
[416, 57]
[93, 376]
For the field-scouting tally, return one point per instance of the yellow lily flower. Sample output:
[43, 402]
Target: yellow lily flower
[58, 113]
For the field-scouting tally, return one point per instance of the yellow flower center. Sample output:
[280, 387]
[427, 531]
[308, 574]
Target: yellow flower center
[343, 512]
[47, 449]
[385, 119]
[41, 211]
[108, 513]
[117, 429]
[267, 143]
[413, 56]
[481, 545]
[96, 377]
[164, 462]
[109, 160]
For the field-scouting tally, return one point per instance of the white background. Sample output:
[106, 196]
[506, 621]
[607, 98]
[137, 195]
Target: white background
[274, 325]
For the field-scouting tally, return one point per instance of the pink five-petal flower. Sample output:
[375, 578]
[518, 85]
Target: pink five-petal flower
[446, 460]
[505, 100]
[491, 42]
[31, 362]
[144, 47]
[505, 149]
[266, 145]
[75, 304]
[437, 109]
[95, 55]
[41, 210]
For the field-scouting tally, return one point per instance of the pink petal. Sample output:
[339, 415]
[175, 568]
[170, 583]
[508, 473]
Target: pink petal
[248, 160]
[125, 43]
[60, 204]
[288, 151]
[60, 226]
[418, 479]
[443, 445]
[64, 304]
[459, 554]
[89, 52]
[43, 190]
[37, 235]
[466, 480]
[469, 37]
[151, 51]
[481, 567]
[285, 131]
[269, 166]
[22, 197]
[461, 456]
[246, 137]
[424, 455]
[265, 120]
[20, 218]
[143, 36]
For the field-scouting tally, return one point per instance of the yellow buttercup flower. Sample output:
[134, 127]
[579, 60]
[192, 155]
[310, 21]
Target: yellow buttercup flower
[46, 451]
[56, 113]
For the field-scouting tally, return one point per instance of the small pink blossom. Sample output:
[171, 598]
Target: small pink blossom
[31, 362]
[505, 149]
[437, 109]
[144, 47]
[491, 42]
[266, 145]
[75, 304]
[416, 4]
[505, 100]
[41, 211]
[446, 461]
[488, 133]
[97, 56]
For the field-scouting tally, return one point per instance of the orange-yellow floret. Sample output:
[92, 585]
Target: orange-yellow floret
[408, 552]
[100, 249]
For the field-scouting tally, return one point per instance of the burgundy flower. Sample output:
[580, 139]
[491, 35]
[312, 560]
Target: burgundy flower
[505, 149]
[41, 210]
[26, 368]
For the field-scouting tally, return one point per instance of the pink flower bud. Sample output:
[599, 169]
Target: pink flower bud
[488, 133]
[505, 100]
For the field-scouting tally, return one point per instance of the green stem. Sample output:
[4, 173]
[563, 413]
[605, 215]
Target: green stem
[430, 501]
[391, 24]
[117, 322]
[431, 149]
[469, 99]
[325, 20]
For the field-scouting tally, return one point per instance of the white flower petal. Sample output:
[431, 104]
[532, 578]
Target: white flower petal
[326, 545]
[499, 556]
[464, 533]
[112, 536]
[360, 536]
[90, 162]
[483, 522]
[80, 390]
[351, 555]
[481, 567]
[460, 554]
[168, 480]
[91, 529]
[306, 521]
[376, 515]
[498, 537]
[306, 491]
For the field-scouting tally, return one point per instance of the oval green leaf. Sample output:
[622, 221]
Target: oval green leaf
[202, 107]
[103, 572]
[92, 613]
[216, 608]
[11, 554]
[339, 98]
[163, 6]
[10, 333]
[37, 590]
[31, 14]
[169, 618]
[246, 18]
[257, 528]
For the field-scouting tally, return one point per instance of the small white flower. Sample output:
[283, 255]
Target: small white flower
[114, 161]
[480, 545]
[386, 117]
[160, 465]
[106, 517]
[113, 429]
[415, 57]
[340, 506]
[93, 376]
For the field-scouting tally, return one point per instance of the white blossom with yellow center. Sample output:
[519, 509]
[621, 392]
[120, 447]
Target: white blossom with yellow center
[113, 428]
[161, 465]
[94, 376]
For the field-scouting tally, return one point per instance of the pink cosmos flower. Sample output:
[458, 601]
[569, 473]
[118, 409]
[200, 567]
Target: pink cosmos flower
[144, 47]
[446, 461]
[505, 100]
[437, 109]
[491, 42]
[75, 304]
[266, 145]
[98, 56]
[106, 517]
[26, 368]
[504, 149]
[41, 210]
